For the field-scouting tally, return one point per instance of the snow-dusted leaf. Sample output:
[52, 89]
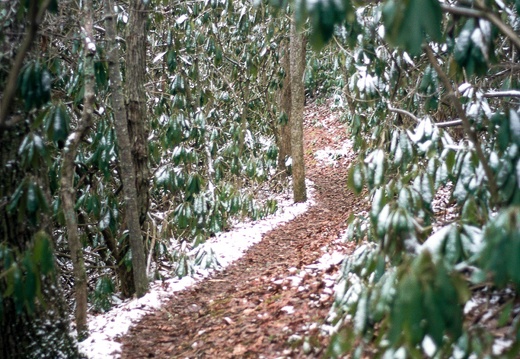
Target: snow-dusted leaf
[514, 125]
[181, 19]
[418, 135]
[159, 56]
[383, 220]
[361, 316]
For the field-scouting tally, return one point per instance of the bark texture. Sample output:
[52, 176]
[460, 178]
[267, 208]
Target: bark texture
[68, 191]
[128, 174]
[135, 97]
[297, 57]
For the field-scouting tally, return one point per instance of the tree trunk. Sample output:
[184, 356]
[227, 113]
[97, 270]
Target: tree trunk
[297, 56]
[135, 64]
[68, 192]
[43, 333]
[128, 176]
[283, 130]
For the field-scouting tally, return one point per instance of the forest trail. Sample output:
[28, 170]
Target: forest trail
[273, 301]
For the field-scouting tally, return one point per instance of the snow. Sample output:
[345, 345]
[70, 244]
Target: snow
[508, 93]
[408, 59]
[295, 338]
[514, 123]
[429, 346]
[90, 45]
[38, 141]
[228, 247]
[470, 305]
[162, 174]
[381, 31]
[465, 87]
[289, 309]
[327, 260]
[500, 345]
[158, 57]
[435, 242]
[330, 156]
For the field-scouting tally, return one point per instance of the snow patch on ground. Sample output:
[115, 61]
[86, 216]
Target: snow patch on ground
[470, 305]
[228, 247]
[501, 345]
[331, 157]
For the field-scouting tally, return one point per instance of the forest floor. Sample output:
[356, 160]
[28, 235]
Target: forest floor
[273, 301]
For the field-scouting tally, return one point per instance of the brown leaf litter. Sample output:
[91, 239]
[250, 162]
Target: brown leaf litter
[272, 302]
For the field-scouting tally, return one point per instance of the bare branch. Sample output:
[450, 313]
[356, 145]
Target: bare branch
[453, 123]
[403, 112]
[510, 93]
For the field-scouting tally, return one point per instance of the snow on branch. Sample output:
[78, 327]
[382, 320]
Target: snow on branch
[509, 93]
[453, 123]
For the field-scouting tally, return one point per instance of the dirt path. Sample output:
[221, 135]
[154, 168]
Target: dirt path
[272, 302]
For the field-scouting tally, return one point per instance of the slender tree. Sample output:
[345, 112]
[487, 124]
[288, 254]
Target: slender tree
[128, 176]
[68, 191]
[297, 60]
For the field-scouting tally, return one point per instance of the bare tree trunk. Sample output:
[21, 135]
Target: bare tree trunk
[68, 192]
[135, 64]
[128, 176]
[297, 103]
[283, 131]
